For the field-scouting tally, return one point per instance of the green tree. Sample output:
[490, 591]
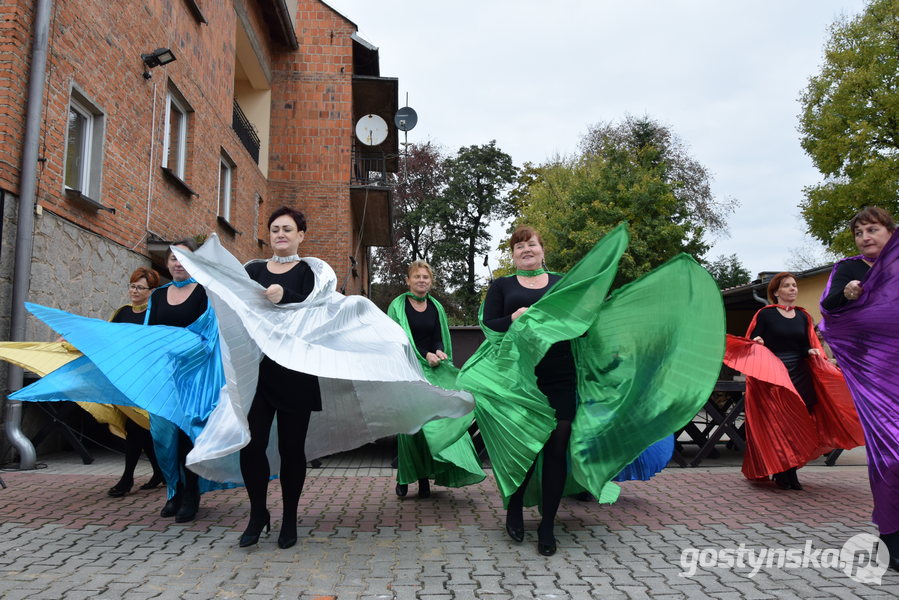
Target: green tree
[849, 123]
[728, 271]
[636, 171]
[479, 179]
[417, 222]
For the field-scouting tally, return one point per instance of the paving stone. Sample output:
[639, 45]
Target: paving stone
[359, 541]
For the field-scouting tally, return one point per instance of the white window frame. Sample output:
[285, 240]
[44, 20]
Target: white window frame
[91, 150]
[174, 103]
[225, 187]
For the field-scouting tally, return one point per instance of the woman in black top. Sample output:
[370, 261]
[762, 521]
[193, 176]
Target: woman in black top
[873, 364]
[785, 331]
[507, 299]
[291, 395]
[872, 228]
[137, 438]
[179, 305]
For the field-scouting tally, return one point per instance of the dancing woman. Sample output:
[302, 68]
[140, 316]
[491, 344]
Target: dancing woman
[136, 422]
[784, 329]
[573, 385]
[861, 308]
[442, 450]
[507, 299]
[179, 304]
[797, 402]
[290, 395]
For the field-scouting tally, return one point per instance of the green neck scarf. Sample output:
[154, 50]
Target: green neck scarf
[534, 273]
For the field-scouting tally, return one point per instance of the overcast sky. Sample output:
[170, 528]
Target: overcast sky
[725, 76]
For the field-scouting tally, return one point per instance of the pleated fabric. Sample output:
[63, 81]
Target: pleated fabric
[443, 450]
[650, 462]
[864, 338]
[780, 432]
[647, 359]
[170, 372]
[44, 357]
[371, 383]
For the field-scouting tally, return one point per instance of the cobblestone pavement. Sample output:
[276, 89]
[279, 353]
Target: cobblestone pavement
[62, 537]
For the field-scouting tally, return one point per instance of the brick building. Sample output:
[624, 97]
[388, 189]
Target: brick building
[257, 109]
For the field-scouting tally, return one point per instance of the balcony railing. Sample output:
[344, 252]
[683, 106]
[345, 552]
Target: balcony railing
[245, 131]
[369, 168]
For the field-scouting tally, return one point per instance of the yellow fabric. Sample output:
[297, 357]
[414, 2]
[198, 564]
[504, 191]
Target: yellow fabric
[44, 357]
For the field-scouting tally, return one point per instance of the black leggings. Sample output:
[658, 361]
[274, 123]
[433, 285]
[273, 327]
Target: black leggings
[555, 471]
[138, 440]
[292, 427]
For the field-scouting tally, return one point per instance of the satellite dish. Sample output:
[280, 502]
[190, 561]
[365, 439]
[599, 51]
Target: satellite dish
[371, 130]
[405, 119]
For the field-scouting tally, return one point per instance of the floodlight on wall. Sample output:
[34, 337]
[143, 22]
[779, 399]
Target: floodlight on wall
[157, 58]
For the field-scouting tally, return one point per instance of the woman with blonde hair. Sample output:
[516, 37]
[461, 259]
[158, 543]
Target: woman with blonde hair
[441, 450]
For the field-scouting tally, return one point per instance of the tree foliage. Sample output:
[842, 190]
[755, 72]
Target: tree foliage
[728, 271]
[479, 179]
[636, 171]
[442, 207]
[417, 214]
[849, 123]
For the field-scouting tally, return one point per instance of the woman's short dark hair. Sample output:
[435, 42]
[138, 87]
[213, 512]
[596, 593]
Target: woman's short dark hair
[523, 233]
[150, 275]
[774, 284]
[189, 243]
[872, 214]
[294, 214]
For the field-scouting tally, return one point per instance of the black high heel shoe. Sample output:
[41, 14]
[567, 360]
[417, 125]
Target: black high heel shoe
[546, 541]
[546, 548]
[781, 480]
[250, 536]
[121, 488]
[154, 482]
[514, 530]
[288, 536]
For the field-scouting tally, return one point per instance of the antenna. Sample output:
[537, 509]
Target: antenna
[405, 120]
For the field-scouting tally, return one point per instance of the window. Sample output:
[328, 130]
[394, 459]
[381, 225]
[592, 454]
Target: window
[226, 177]
[84, 147]
[174, 151]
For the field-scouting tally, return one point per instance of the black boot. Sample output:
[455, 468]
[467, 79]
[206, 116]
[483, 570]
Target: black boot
[891, 541]
[190, 502]
[173, 504]
[424, 488]
[793, 478]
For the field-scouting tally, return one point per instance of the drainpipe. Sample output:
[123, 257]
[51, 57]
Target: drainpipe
[25, 225]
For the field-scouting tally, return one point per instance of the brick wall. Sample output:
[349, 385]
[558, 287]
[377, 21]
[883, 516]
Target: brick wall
[96, 51]
[312, 133]
[15, 58]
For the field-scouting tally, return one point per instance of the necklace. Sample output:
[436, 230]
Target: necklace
[285, 259]
[181, 284]
[139, 307]
[422, 299]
